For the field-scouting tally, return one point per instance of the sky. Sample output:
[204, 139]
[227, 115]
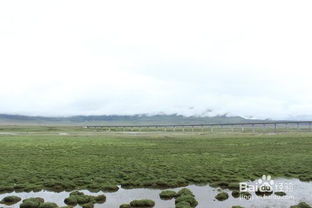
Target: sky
[71, 57]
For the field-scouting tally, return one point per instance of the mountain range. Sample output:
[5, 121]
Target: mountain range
[9, 119]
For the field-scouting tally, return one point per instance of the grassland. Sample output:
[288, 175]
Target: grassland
[97, 161]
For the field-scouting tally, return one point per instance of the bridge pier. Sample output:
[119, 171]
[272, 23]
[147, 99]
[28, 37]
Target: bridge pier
[306, 125]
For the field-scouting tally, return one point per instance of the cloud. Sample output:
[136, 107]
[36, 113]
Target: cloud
[127, 57]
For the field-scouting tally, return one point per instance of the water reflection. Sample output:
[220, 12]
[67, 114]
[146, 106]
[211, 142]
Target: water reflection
[301, 191]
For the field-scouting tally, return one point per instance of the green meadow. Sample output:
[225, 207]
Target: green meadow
[84, 159]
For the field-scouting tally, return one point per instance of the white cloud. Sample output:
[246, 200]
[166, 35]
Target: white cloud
[250, 58]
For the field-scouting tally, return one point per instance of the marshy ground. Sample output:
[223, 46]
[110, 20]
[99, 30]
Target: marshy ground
[70, 158]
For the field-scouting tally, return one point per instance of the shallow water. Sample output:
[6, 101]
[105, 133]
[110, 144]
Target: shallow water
[300, 191]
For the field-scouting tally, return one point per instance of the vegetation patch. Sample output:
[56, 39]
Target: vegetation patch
[185, 198]
[183, 204]
[142, 203]
[301, 205]
[125, 206]
[6, 189]
[100, 198]
[71, 200]
[88, 205]
[222, 196]
[32, 202]
[233, 186]
[109, 188]
[167, 194]
[48, 205]
[235, 194]
[9, 200]
[77, 197]
[280, 193]
[147, 160]
[185, 191]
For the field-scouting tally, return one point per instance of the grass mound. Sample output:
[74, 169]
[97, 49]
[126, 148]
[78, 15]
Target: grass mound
[32, 202]
[9, 200]
[109, 188]
[301, 205]
[280, 193]
[76, 193]
[6, 189]
[235, 194]
[48, 205]
[233, 186]
[100, 198]
[183, 204]
[221, 184]
[125, 206]
[86, 201]
[88, 205]
[222, 196]
[71, 201]
[167, 194]
[142, 203]
[185, 191]
[185, 199]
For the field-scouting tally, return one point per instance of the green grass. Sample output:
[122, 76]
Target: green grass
[301, 205]
[98, 161]
[222, 196]
[185, 199]
[9, 200]
[142, 203]
[167, 194]
[80, 198]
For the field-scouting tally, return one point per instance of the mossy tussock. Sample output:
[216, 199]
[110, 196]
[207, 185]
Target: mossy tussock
[167, 194]
[109, 188]
[86, 201]
[235, 193]
[280, 193]
[301, 205]
[33, 202]
[222, 196]
[37, 202]
[125, 206]
[185, 199]
[10, 200]
[6, 189]
[48, 205]
[142, 203]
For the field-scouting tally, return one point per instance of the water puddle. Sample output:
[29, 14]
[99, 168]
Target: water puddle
[205, 195]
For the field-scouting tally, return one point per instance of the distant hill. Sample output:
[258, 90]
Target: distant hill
[7, 119]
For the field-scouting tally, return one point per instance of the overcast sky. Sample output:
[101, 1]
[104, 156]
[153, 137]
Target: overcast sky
[248, 58]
